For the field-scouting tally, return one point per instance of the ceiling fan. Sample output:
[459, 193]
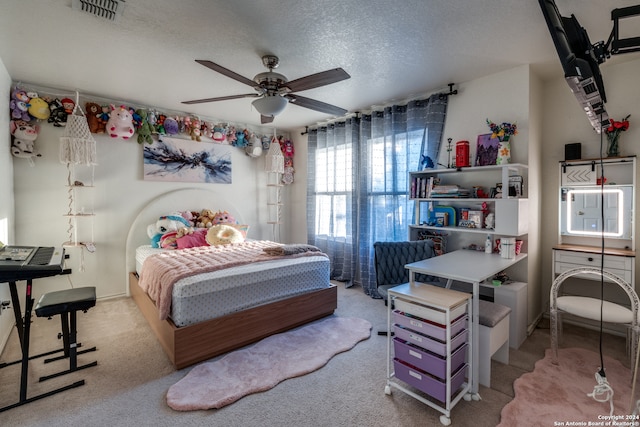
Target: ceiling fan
[274, 91]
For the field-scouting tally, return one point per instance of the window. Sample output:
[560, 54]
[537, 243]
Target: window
[333, 188]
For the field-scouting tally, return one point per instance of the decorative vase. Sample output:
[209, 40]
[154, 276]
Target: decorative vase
[504, 152]
[613, 149]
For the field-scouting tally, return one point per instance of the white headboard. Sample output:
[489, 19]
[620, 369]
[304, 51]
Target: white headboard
[193, 199]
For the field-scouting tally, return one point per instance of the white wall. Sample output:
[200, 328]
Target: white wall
[564, 122]
[120, 192]
[6, 193]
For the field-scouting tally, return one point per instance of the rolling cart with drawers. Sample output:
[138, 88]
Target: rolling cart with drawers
[428, 353]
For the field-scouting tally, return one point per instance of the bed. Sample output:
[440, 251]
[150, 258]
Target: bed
[187, 338]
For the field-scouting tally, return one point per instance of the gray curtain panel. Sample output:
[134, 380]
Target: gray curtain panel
[357, 191]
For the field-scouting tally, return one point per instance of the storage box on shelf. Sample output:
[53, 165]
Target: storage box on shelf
[431, 345]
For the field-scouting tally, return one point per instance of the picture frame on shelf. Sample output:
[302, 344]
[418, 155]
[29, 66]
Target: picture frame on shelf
[515, 185]
[486, 150]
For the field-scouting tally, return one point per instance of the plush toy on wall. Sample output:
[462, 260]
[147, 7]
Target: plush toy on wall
[160, 124]
[69, 105]
[58, 115]
[93, 117]
[241, 138]
[144, 133]
[207, 129]
[120, 124]
[136, 120]
[163, 225]
[194, 129]
[103, 118]
[19, 105]
[171, 126]
[152, 119]
[254, 146]
[38, 108]
[24, 136]
[231, 135]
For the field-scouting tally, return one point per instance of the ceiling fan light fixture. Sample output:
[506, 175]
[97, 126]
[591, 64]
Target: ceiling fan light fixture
[270, 105]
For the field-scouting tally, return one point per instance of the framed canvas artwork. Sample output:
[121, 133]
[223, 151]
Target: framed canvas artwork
[486, 150]
[183, 160]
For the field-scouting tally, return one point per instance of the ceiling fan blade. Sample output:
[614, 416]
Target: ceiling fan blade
[266, 119]
[313, 104]
[221, 98]
[316, 80]
[220, 69]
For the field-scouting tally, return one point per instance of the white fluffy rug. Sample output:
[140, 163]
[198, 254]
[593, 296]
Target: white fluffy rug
[265, 364]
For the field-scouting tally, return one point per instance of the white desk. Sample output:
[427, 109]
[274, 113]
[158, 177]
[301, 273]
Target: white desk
[466, 266]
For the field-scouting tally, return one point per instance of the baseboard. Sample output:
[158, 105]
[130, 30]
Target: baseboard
[533, 326]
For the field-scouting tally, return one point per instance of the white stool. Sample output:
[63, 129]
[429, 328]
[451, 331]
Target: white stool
[493, 337]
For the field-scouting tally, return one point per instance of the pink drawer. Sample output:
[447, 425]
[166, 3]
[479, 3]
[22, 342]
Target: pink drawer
[428, 343]
[434, 387]
[427, 361]
[427, 327]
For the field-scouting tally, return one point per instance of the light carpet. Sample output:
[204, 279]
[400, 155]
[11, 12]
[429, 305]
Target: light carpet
[558, 394]
[261, 367]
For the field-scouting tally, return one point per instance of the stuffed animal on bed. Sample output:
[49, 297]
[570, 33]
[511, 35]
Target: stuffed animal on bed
[205, 218]
[223, 217]
[165, 224]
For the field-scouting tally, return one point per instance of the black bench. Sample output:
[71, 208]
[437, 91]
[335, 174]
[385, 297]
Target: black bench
[67, 303]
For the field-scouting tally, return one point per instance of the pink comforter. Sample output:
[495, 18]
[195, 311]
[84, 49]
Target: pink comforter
[161, 271]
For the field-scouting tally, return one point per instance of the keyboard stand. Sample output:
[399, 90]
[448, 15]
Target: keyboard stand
[24, 329]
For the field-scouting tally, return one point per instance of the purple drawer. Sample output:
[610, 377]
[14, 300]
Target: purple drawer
[424, 382]
[428, 343]
[427, 361]
[427, 327]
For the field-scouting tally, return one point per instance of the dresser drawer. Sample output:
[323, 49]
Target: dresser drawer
[421, 380]
[428, 328]
[427, 343]
[426, 361]
[430, 313]
[621, 266]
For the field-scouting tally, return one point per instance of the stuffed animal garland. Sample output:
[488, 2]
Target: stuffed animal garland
[123, 122]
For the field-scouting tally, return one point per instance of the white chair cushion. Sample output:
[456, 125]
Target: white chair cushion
[589, 308]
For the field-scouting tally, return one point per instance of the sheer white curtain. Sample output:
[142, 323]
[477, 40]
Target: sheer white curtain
[358, 182]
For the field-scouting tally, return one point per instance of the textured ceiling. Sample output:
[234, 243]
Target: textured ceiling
[393, 50]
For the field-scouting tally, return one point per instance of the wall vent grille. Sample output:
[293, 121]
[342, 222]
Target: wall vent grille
[106, 9]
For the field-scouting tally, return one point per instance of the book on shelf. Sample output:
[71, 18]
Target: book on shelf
[421, 187]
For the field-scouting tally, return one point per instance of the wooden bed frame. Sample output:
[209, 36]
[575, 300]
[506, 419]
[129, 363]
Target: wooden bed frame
[196, 343]
[192, 344]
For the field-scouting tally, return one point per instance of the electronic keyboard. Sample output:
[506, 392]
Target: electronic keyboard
[30, 262]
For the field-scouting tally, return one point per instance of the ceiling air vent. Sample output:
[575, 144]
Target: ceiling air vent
[107, 9]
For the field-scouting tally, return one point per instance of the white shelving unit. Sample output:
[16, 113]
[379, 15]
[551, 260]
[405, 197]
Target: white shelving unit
[274, 203]
[511, 219]
[80, 208]
[511, 213]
